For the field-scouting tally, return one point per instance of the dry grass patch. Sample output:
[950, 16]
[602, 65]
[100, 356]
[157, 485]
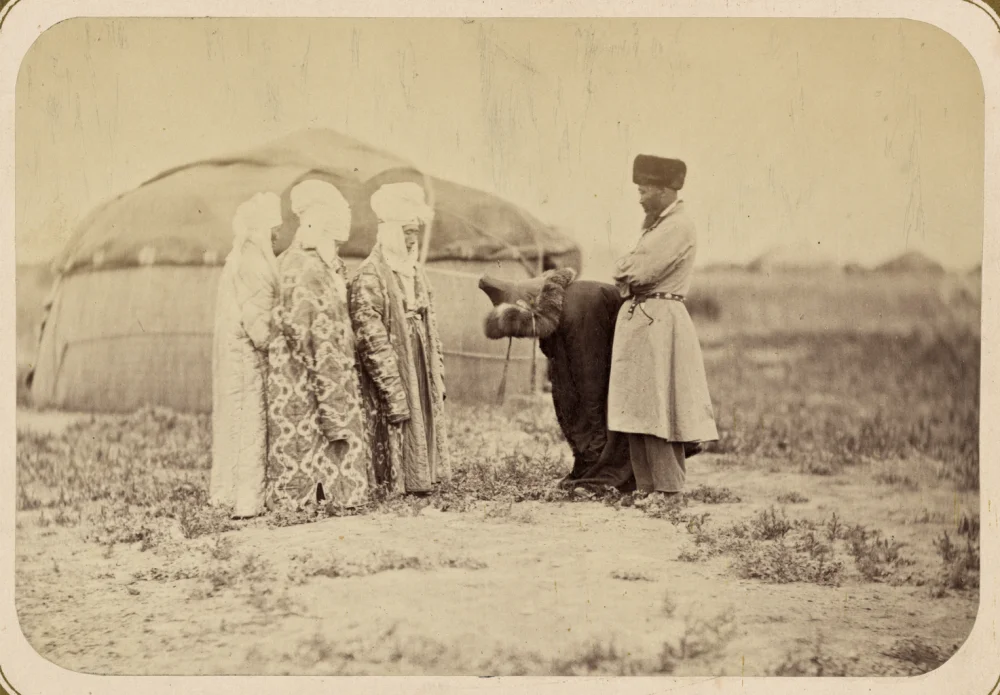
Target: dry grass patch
[631, 576]
[818, 661]
[960, 563]
[792, 498]
[892, 397]
[333, 566]
[918, 655]
[774, 548]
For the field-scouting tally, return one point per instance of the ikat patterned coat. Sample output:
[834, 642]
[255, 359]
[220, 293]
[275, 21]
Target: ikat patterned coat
[316, 417]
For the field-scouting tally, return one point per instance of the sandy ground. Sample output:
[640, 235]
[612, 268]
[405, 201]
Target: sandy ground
[481, 592]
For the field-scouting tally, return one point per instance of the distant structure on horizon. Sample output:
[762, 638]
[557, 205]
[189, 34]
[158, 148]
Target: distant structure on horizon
[800, 258]
[911, 262]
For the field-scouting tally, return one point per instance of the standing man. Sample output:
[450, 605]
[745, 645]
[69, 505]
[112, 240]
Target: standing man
[658, 394]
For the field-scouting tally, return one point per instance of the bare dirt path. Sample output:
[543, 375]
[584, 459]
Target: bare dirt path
[535, 583]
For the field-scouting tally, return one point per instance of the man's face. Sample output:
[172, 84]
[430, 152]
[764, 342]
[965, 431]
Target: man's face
[411, 234]
[656, 199]
[651, 199]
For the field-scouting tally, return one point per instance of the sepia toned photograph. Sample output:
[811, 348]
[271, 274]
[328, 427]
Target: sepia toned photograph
[498, 347]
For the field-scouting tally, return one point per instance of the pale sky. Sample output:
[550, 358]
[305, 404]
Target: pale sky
[863, 138]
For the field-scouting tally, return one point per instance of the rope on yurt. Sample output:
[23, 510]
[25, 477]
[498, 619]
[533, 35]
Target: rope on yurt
[502, 391]
[518, 256]
[534, 363]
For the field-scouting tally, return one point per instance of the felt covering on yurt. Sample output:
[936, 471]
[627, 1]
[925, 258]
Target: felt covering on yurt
[131, 317]
[183, 216]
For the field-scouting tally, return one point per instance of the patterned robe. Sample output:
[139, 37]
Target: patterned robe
[316, 417]
[400, 347]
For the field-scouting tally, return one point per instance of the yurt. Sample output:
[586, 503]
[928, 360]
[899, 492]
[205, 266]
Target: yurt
[129, 320]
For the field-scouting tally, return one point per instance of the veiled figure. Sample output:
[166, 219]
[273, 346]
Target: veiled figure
[245, 299]
[402, 374]
[319, 450]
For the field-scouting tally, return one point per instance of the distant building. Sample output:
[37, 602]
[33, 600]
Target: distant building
[911, 262]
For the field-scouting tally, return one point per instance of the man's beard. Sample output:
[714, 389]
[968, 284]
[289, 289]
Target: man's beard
[652, 211]
[651, 206]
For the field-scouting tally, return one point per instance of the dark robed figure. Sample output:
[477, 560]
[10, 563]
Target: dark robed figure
[574, 321]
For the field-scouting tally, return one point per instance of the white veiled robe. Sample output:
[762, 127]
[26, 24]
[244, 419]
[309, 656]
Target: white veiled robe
[246, 296]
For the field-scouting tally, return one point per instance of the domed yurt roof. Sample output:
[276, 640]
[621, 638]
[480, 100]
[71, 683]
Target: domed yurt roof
[183, 215]
[911, 262]
[142, 334]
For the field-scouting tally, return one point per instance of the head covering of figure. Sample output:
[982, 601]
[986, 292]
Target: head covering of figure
[659, 180]
[661, 172]
[324, 217]
[254, 221]
[255, 218]
[398, 205]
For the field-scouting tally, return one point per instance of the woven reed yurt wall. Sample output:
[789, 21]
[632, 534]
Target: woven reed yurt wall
[119, 339]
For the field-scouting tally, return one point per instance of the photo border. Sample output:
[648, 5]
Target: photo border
[973, 669]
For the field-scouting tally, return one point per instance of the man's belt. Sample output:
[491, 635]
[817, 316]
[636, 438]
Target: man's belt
[638, 299]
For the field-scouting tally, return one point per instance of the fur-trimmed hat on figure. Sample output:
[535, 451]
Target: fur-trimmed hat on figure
[649, 170]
